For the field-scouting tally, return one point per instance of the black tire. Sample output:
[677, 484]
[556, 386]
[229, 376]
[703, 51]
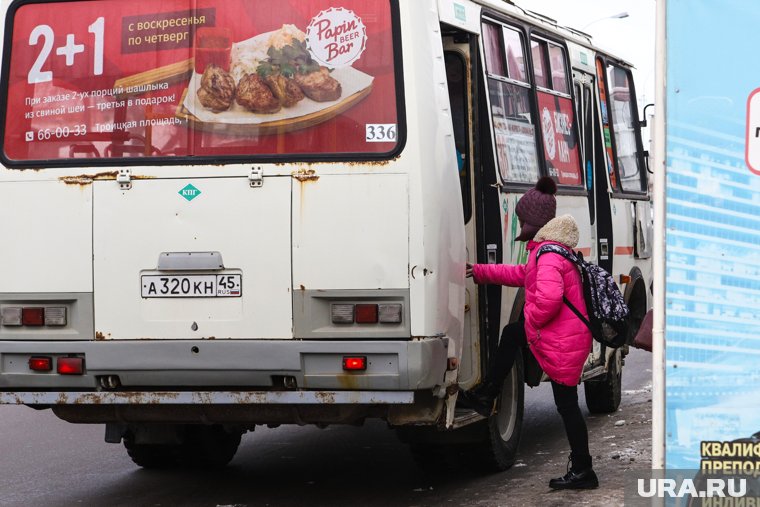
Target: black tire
[154, 456]
[210, 446]
[603, 395]
[498, 450]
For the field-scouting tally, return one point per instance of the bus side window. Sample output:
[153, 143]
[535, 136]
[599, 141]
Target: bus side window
[456, 75]
[511, 109]
[621, 128]
[625, 125]
[606, 127]
[556, 113]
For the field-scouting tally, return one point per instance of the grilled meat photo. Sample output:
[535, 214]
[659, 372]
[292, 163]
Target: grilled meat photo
[254, 95]
[217, 89]
[286, 90]
[283, 79]
[319, 86]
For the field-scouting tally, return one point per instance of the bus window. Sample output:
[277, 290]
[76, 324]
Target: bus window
[588, 133]
[581, 118]
[624, 126]
[559, 75]
[538, 48]
[607, 130]
[515, 60]
[509, 92]
[492, 49]
[555, 109]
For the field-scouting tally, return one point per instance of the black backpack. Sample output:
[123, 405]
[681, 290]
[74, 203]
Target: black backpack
[607, 311]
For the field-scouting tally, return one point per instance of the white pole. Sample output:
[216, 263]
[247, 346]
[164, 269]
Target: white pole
[659, 163]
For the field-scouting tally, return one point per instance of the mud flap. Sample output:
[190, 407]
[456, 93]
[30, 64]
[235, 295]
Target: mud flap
[450, 381]
[451, 398]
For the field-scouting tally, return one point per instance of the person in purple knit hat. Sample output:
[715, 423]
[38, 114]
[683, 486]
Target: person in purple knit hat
[559, 340]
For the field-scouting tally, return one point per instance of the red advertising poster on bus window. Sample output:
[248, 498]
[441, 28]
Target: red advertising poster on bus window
[560, 142]
[182, 78]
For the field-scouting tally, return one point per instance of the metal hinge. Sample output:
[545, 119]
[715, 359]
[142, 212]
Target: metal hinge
[124, 179]
[256, 177]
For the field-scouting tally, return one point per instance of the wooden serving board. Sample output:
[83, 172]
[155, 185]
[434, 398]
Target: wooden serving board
[167, 74]
[282, 126]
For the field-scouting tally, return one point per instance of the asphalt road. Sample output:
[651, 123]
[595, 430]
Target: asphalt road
[48, 462]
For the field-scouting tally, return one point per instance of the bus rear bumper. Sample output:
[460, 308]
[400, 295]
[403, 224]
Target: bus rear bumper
[242, 408]
[207, 397]
[269, 370]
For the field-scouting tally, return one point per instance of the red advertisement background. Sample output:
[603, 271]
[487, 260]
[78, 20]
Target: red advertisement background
[566, 170]
[345, 133]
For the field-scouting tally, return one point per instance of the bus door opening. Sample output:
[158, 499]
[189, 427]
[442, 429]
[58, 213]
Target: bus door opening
[585, 112]
[458, 56]
[605, 178]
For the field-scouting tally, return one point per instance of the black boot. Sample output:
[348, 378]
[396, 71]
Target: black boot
[481, 399]
[577, 477]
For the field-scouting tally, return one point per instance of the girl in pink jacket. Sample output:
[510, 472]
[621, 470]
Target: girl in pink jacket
[557, 338]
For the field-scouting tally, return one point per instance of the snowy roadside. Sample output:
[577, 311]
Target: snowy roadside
[619, 443]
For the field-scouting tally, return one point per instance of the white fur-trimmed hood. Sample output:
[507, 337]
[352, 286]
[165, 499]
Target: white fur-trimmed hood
[562, 229]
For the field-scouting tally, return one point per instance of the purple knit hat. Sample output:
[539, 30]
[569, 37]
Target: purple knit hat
[536, 208]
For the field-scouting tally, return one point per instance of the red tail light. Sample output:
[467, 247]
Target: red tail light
[33, 316]
[366, 314]
[39, 363]
[355, 363]
[70, 365]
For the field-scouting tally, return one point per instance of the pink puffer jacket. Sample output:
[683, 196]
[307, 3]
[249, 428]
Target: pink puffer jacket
[557, 337]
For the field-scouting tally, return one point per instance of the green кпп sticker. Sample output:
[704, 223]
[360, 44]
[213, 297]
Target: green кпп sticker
[189, 192]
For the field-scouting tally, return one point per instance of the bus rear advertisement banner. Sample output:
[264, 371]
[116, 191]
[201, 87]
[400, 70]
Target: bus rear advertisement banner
[110, 79]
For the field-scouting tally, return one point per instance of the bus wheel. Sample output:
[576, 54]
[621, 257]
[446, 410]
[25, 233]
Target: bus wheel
[603, 396]
[211, 446]
[153, 455]
[498, 450]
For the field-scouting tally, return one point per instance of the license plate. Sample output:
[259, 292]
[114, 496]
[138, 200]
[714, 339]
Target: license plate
[191, 286]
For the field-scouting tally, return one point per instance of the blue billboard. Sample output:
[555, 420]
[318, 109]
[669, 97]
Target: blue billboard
[712, 327]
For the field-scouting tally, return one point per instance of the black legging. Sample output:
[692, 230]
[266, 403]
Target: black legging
[565, 397]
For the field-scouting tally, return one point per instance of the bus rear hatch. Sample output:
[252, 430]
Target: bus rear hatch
[192, 258]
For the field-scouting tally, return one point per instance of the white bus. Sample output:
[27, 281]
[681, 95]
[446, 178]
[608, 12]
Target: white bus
[223, 215]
